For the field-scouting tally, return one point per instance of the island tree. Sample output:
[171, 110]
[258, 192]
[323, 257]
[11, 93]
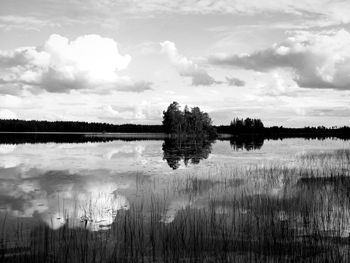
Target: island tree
[189, 122]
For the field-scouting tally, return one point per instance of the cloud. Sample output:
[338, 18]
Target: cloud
[7, 114]
[89, 62]
[138, 86]
[328, 112]
[332, 11]
[144, 111]
[235, 82]
[10, 22]
[316, 60]
[186, 67]
[102, 12]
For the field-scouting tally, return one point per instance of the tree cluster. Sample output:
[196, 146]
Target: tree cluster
[248, 125]
[189, 122]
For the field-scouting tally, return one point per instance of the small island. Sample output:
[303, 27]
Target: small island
[187, 123]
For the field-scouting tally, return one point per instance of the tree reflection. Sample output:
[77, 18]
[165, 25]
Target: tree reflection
[190, 150]
[247, 143]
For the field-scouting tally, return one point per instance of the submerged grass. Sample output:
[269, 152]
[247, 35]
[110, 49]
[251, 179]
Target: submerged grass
[274, 213]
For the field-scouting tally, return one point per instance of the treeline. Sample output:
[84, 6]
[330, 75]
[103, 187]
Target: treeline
[306, 132]
[189, 122]
[12, 138]
[248, 126]
[74, 126]
[242, 126]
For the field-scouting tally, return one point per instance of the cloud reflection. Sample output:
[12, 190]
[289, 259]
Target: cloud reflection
[61, 197]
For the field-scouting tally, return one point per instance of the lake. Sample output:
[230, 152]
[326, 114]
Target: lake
[299, 186]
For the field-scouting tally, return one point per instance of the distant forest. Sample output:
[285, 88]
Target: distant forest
[74, 126]
[255, 127]
[177, 123]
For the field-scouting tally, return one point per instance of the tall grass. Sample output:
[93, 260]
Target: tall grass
[272, 213]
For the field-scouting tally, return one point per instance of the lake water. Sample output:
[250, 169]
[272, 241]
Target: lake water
[53, 182]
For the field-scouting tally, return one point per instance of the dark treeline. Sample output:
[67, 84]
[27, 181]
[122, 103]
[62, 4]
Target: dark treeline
[248, 126]
[13, 138]
[73, 126]
[320, 132]
[189, 122]
[32, 138]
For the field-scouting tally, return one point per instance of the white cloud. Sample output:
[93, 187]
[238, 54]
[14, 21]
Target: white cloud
[88, 62]
[7, 114]
[186, 67]
[142, 111]
[317, 60]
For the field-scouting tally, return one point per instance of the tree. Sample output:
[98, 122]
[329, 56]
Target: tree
[194, 122]
[173, 119]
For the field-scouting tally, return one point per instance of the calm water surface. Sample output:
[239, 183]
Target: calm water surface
[64, 183]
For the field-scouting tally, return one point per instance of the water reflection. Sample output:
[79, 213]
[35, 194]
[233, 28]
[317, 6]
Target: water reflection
[60, 197]
[260, 207]
[247, 143]
[33, 177]
[193, 150]
[189, 150]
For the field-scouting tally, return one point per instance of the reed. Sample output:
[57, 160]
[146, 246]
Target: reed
[268, 213]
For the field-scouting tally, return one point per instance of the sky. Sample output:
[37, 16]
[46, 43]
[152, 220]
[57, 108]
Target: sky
[286, 62]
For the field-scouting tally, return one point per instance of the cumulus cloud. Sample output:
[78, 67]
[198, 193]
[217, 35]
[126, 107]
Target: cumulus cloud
[88, 62]
[186, 67]
[317, 60]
